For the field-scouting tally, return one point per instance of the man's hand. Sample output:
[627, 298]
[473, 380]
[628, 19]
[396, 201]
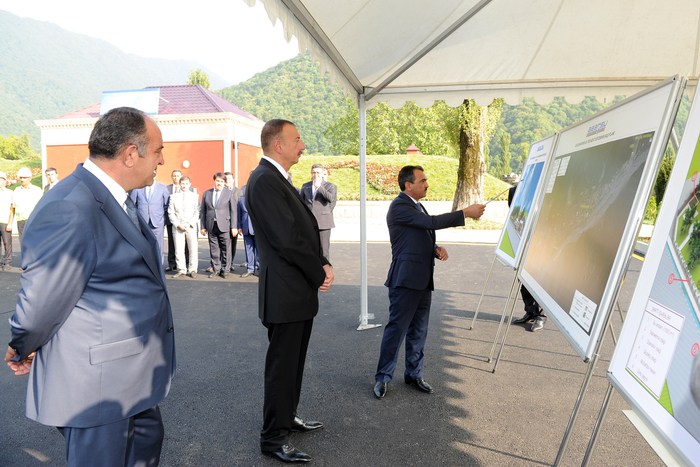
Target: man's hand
[441, 253]
[203, 231]
[240, 231]
[22, 367]
[474, 211]
[234, 232]
[8, 228]
[329, 278]
[182, 227]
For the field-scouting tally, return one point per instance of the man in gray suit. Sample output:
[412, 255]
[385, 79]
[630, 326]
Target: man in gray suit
[93, 324]
[320, 196]
[183, 212]
[219, 219]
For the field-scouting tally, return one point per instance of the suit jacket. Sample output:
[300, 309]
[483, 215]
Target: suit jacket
[95, 308]
[412, 234]
[226, 210]
[291, 261]
[244, 222]
[155, 209]
[171, 190]
[323, 204]
[184, 208]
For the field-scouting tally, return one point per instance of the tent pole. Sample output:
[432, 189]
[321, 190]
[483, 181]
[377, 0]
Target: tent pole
[364, 315]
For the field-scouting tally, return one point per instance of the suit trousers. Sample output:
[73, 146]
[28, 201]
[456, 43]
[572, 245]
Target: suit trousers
[159, 233]
[132, 442]
[6, 240]
[20, 230]
[232, 251]
[409, 312]
[284, 370]
[251, 253]
[325, 236]
[531, 306]
[219, 248]
[172, 262]
[186, 241]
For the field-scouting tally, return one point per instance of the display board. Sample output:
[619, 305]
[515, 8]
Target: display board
[596, 190]
[523, 209]
[653, 359]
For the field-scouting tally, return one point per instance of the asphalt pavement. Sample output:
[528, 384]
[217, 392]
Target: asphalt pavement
[516, 416]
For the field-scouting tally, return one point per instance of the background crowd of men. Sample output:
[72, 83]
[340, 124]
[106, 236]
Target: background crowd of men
[176, 209]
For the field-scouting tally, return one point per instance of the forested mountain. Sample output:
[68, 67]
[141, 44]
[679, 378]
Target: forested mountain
[296, 91]
[46, 71]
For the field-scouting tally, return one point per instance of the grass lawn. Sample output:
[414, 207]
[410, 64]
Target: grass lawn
[14, 166]
[441, 171]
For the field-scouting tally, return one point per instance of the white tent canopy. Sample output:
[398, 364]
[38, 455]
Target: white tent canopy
[426, 50]
[495, 48]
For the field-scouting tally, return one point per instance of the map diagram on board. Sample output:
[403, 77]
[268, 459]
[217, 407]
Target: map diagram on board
[588, 197]
[668, 337]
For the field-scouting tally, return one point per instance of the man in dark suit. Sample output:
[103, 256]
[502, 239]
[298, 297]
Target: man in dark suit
[219, 211]
[174, 187]
[320, 196]
[152, 203]
[237, 192]
[245, 228]
[410, 279]
[51, 177]
[92, 324]
[292, 271]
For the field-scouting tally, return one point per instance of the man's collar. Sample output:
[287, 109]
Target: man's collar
[277, 165]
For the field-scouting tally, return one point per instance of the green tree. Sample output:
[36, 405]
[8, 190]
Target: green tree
[524, 151]
[504, 144]
[198, 76]
[476, 128]
[664, 174]
[16, 148]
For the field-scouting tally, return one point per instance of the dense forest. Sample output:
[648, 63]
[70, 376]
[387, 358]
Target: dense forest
[296, 91]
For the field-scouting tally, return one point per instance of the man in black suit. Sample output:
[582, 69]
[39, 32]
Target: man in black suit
[292, 271]
[237, 192]
[173, 188]
[320, 196]
[410, 279]
[219, 213]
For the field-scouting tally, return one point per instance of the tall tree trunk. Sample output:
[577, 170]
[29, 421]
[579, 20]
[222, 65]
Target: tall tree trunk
[476, 129]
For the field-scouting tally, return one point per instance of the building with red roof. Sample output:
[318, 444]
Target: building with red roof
[203, 133]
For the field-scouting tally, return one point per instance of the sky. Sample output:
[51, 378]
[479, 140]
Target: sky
[226, 36]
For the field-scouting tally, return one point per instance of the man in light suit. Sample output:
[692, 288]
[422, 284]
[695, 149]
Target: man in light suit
[245, 228]
[174, 187]
[219, 220]
[320, 196]
[152, 203]
[183, 212]
[93, 324]
[410, 279]
[292, 271]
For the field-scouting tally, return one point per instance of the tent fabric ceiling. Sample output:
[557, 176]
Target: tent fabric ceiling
[509, 48]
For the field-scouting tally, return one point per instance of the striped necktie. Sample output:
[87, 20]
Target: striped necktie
[131, 212]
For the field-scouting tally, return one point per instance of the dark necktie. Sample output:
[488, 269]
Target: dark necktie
[131, 212]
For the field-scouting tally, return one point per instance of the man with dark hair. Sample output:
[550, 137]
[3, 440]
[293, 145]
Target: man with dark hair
[320, 196]
[93, 325]
[292, 271]
[183, 211]
[51, 177]
[410, 278]
[219, 221]
[237, 192]
[174, 187]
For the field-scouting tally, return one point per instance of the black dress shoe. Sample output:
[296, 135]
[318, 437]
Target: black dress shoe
[247, 274]
[224, 274]
[421, 384]
[301, 426]
[527, 318]
[380, 389]
[168, 269]
[213, 274]
[538, 324]
[288, 453]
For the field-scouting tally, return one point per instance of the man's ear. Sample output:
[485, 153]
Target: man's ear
[129, 155]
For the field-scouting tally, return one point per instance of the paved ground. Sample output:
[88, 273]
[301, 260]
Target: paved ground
[515, 417]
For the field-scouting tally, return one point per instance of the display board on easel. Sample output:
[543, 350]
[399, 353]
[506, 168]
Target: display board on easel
[653, 360]
[596, 190]
[523, 209]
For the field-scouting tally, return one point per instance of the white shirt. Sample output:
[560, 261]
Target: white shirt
[5, 203]
[24, 200]
[284, 173]
[116, 189]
